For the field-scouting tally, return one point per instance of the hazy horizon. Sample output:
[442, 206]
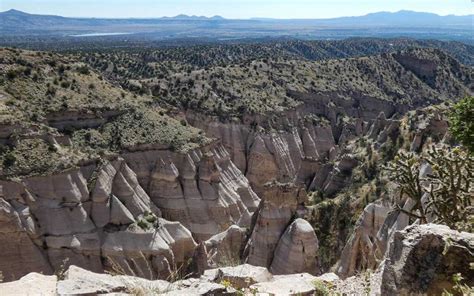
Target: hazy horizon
[232, 9]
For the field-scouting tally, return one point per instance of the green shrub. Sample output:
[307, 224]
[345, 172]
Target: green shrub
[461, 122]
[449, 185]
[83, 70]
[12, 74]
[9, 160]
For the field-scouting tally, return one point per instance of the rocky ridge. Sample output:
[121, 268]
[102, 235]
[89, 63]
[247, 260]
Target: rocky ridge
[402, 268]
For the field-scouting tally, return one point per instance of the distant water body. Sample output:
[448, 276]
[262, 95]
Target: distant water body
[100, 34]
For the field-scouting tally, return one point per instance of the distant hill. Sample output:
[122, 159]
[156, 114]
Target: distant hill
[382, 24]
[404, 18]
[193, 17]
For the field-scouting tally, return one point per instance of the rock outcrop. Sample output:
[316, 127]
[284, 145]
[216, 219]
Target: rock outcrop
[241, 276]
[367, 246]
[226, 247]
[286, 154]
[423, 258]
[242, 280]
[78, 281]
[297, 250]
[277, 242]
[31, 284]
[202, 189]
[97, 217]
[278, 206]
[361, 251]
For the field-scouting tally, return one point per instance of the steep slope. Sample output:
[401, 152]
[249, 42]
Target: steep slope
[141, 62]
[283, 120]
[264, 86]
[90, 173]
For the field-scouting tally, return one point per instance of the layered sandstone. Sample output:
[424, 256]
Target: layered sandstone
[297, 250]
[361, 251]
[288, 150]
[278, 205]
[225, 248]
[117, 214]
[202, 189]
[87, 217]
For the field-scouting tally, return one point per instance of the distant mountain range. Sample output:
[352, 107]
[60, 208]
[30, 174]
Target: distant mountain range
[193, 17]
[406, 17]
[18, 23]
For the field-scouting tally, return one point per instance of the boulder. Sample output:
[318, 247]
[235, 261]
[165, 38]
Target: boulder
[293, 284]
[226, 247]
[79, 281]
[423, 258]
[297, 250]
[361, 251]
[198, 288]
[31, 284]
[239, 277]
[278, 206]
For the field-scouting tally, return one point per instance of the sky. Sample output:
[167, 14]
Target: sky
[233, 8]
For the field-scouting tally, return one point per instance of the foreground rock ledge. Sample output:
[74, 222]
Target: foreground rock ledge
[423, 259]
[246, 279]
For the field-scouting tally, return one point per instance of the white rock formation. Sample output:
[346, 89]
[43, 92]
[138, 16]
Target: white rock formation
[85, 217]
[31, 284]
[278, 206]
[361, 251]
[243, 279]
[297, 250]
[241, 276]
[202, 189]
[226, 247]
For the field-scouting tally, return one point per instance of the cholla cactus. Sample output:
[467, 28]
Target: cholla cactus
[451, 187]
[405, 171]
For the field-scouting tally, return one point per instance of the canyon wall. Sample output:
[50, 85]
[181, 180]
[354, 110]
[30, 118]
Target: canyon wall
[116, 215]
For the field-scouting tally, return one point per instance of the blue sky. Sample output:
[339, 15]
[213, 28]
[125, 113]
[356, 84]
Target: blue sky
[233, 8]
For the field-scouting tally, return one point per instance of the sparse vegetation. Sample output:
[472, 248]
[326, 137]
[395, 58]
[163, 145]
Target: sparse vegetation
[405, 171]
[322, 288]
[462, 122]
[451, 187]
[60, 272]
[36, 108]
[448, 185]
[148, 221]
[459, 287]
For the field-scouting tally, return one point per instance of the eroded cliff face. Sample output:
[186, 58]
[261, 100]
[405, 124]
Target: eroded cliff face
[202, 189]
[305, 146]
[100, 216]
[298, 142]
[88, 217]
[279, 241]
[369, 243]
[290, 149]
